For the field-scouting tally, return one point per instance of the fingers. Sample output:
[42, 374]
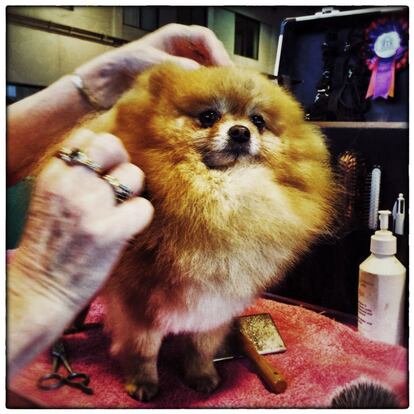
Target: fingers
[183, 62]
[103, 218]
[129, 175]
[79, 139]
[54, 169]
[104, 149]
[126, 220]
[200, 44]
[108, 151]
[197, 43]
[210, 47]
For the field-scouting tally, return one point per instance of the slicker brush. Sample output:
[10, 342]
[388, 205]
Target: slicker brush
[364, 395]
[351, 177]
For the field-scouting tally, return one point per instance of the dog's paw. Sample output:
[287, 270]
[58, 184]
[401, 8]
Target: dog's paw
[143, 391]
[204, 383]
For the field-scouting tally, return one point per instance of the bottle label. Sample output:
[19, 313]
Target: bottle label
[367, 294]
[380, 306]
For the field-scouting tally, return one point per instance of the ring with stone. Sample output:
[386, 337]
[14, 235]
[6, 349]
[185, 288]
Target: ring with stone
[77, 157]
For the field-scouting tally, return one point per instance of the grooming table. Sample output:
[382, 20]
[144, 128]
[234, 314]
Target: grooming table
[322, 356]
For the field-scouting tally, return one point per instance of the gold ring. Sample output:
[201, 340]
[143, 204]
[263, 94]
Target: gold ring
[77, 157]
[122, 192]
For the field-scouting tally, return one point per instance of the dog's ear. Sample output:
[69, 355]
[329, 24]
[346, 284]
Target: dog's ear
[163, 76]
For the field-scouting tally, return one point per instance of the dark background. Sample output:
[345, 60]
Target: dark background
[328, 276]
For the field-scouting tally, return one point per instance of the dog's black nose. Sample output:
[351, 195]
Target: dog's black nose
[239, 133]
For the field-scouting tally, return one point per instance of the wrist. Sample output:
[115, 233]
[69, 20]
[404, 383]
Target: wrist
[107, 77]
[40, 121]
[33, 288]
[97, 84]
[98, 103]
[35, 274]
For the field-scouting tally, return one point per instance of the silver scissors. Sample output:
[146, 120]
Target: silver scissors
[54, 380]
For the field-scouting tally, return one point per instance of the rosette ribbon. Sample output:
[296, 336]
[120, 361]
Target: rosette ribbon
[386, 41]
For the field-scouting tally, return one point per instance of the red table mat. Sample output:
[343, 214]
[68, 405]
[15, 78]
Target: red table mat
[322, 356]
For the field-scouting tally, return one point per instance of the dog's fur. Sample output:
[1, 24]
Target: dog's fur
[227, 223]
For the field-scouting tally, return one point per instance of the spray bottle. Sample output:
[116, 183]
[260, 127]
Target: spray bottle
[381, 288]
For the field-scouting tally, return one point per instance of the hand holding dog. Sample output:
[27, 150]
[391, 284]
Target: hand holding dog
[74, 235]
[41, 120]
[187, 46]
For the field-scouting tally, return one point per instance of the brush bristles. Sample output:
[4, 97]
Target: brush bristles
[374, 198]
[365, 395]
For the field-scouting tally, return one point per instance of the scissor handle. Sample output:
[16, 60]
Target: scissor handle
[50, 381]
[79, 380]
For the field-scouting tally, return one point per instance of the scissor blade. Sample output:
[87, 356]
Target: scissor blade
[55, 364]
[59, 352]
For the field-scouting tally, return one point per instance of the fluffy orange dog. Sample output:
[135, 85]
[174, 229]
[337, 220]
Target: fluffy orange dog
[241, 187]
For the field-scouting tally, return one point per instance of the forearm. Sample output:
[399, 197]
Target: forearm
[51, 277]
[38, 122]
[36, 317]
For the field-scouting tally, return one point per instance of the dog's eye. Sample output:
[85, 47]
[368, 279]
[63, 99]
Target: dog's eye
[209, 118]
[258, 121]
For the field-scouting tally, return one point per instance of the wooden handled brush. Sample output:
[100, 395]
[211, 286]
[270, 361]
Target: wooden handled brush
[258, 333]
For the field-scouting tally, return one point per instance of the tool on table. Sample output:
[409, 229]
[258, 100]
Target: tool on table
[259, 335]
[54, 380]
[254, 336]
[80, 324]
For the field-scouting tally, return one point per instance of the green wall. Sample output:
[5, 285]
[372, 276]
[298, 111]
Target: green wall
[17, 202]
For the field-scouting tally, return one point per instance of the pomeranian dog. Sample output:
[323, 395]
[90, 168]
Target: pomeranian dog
[241, 186]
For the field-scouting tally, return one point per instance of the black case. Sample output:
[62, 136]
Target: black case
[299, 56]
[328, 276]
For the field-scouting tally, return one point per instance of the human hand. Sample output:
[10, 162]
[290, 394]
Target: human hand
[109, 75]
[75, 231]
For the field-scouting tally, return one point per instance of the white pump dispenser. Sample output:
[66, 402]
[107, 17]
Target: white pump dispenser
[381, 288]
[383, 241]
